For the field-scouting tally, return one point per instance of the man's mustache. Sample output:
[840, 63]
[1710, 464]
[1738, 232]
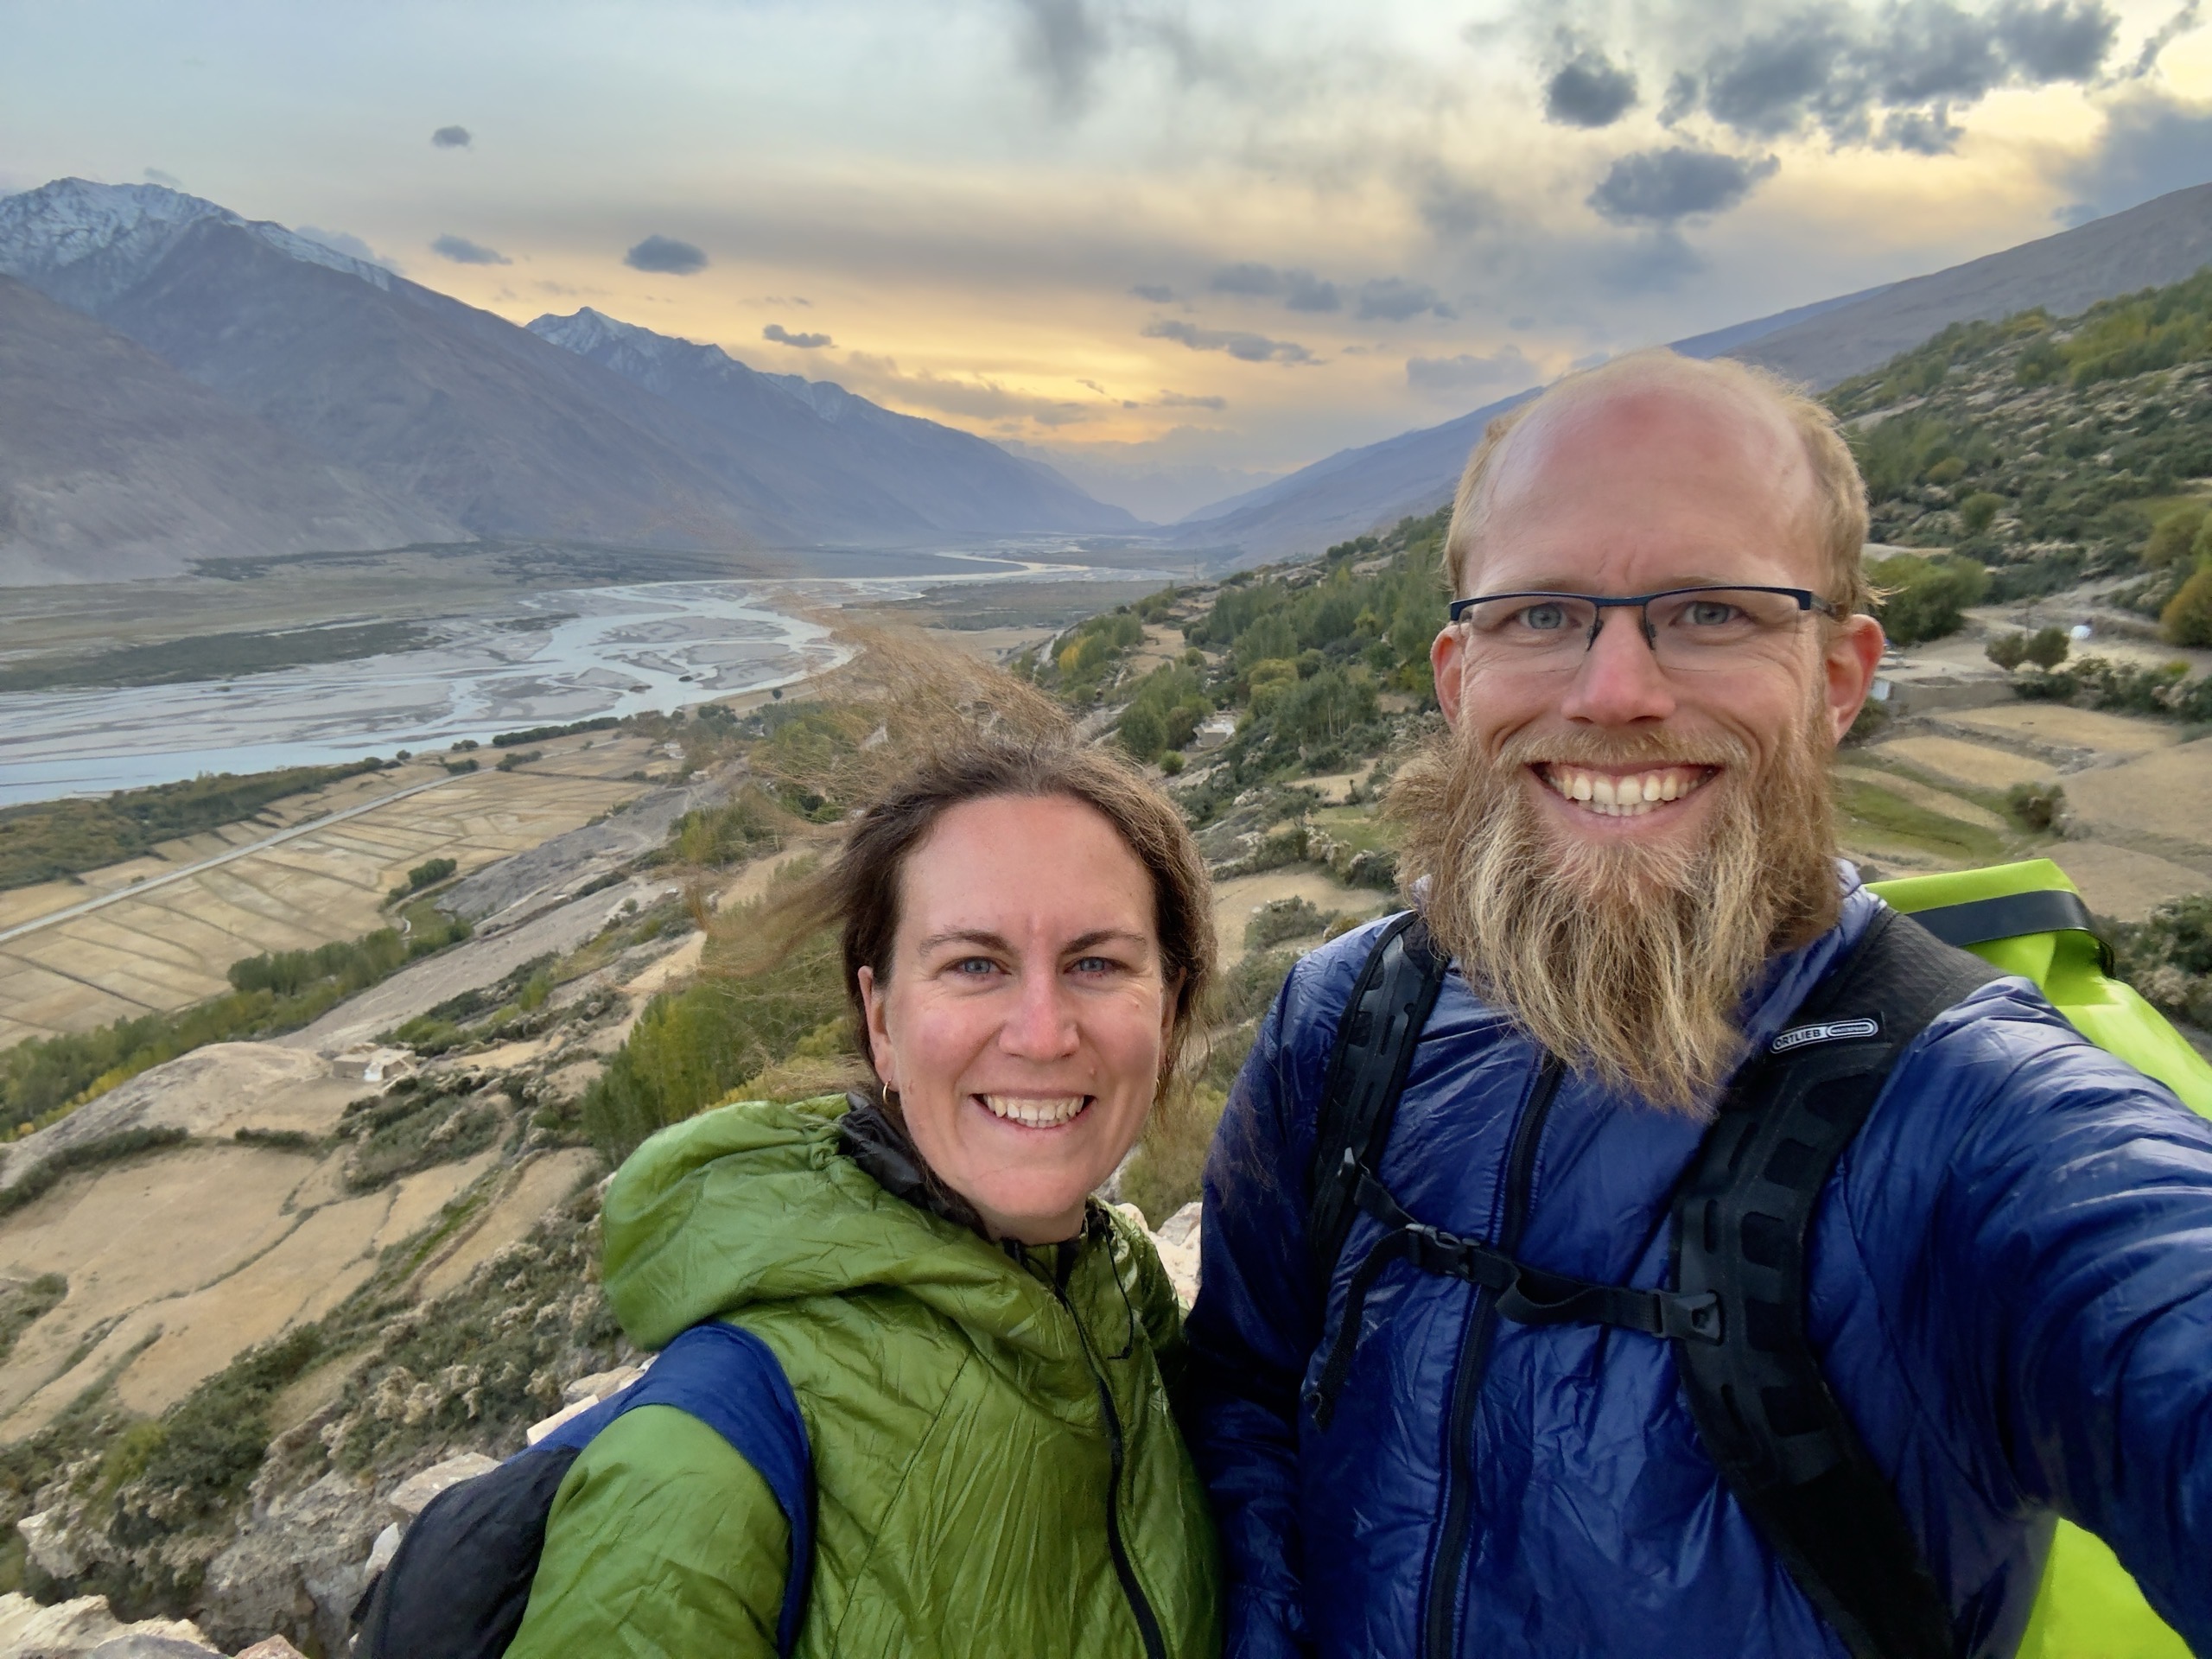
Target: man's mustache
[1574, 746]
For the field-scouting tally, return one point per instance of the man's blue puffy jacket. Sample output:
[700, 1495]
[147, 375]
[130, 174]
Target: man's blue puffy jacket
[2011, 1279]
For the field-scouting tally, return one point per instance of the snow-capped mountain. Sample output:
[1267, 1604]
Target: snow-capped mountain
[462, 419]
[86, 244]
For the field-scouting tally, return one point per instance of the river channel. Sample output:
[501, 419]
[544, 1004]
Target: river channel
[555, 657]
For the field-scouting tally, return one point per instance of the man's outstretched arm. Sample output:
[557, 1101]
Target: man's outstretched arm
[1255, 1325]
[2077, 1227]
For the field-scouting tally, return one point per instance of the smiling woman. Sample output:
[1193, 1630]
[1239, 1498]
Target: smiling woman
[979, 1349]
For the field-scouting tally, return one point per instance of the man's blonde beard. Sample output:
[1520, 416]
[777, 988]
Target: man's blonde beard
[1629, 961]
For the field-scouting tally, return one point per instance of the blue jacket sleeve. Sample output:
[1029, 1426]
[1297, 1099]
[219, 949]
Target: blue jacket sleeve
[1255, 1325]
[2072, 1248]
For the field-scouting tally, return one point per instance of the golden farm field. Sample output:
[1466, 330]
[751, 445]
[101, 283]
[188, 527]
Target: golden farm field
[172, 945]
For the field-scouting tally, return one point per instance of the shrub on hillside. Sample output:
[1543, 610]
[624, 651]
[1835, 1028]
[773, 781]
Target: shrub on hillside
[2035, 806]
[690, 1048]
[1285, 918]
[713, 836]
[2173, 539]
[2187, 620]
[1925, 599]
[2168, 957]
[2046, 648]
[1979, 511]
[1249, 988]
[1163, 1174]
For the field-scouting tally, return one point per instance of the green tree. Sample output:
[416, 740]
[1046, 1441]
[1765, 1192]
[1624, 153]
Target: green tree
[1144, 735]
[2007, 650]
[2046, 648]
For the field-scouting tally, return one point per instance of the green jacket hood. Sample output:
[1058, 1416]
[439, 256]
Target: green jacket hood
[758, 1203]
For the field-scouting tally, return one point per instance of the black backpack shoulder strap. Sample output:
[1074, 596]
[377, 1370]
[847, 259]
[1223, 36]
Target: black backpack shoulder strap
[1742, 1221]
[1381, 1021]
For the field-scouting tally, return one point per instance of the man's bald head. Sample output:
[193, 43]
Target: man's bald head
[1775, 436]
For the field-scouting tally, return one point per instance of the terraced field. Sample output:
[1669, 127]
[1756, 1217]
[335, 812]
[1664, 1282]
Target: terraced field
[2138, 799]
[172, 945]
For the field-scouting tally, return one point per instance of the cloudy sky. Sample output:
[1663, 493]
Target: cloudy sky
[1180, 246]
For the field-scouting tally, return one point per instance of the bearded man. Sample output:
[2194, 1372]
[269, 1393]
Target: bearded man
[1417, 1445]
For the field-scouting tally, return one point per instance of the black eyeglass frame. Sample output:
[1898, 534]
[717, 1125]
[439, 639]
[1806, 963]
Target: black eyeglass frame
[1806, 598]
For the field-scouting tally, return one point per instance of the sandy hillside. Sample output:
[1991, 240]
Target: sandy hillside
[252, 1239]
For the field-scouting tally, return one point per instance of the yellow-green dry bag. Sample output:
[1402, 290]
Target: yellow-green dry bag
[2028, 919]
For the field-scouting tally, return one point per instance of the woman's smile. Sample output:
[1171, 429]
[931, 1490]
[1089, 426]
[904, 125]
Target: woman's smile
[1033, 1111]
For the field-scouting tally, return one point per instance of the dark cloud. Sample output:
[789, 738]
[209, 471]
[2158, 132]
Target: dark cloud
[1467, 373]
[1589, 91]
[1188, 400]
[1389, 298]
[783, 336]
[1925, 133]
[1247, 278]
[462, 252]
[1060, 41]
[2152, 144]
[1658, 187]
[1158, 293]
[1304, 291]
[452, 138]
[1298, 290]
[665, 257]
[1248, 348]
[1392, 299]
[1764, 87]
[167, 181]
[2057, 41]
[1893, 78]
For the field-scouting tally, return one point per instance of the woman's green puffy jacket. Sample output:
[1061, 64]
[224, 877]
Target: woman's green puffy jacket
[997, 1469]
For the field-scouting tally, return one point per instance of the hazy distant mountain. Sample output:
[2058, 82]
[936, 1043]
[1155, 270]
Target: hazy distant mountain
[855, 459]
[1356, 489]
[115, 466]
[2160, 241]
[482, 424]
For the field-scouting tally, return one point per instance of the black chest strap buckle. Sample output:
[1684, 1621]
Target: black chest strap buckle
[1526, 1295]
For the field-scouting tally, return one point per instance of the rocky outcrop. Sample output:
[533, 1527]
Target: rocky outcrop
[87, 1626]
[295, 1567]
[1177, 1240]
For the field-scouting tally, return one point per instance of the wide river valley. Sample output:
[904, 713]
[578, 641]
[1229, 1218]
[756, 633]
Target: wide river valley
[554, 657]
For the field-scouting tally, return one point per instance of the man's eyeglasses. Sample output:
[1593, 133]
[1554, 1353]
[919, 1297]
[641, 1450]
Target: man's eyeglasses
[1689, 628]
